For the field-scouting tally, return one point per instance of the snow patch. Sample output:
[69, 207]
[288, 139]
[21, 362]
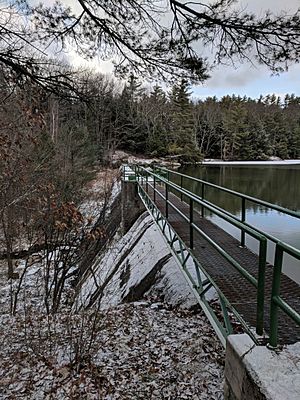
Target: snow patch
[270, 162]
[277, 373]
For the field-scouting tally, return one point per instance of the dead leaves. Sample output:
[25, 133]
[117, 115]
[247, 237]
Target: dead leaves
[138, 351]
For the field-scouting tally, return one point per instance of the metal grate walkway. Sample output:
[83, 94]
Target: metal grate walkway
[240, 293]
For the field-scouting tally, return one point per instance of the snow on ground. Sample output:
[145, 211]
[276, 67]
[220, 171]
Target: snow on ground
[143, 350]
[135, 351]
[29, 289]
[270, 162]
[120, 157]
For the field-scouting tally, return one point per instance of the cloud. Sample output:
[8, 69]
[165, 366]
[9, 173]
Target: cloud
[253, 79]
[258, 6]
[227, 77]
[233, 77]
[98, 65]
[249, 82]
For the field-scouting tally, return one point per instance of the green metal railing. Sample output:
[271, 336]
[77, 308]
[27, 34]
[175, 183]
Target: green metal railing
[243, 197]
[198, 286]
[143, 175]
[128, 174]
[149, 181]
[277, 301]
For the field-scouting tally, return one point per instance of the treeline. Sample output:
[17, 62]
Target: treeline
[64, 137]
[170, 123]
[241, 128]
[160, 122]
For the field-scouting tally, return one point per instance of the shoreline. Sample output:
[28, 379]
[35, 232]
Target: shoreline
[270, 162]
[120, 157]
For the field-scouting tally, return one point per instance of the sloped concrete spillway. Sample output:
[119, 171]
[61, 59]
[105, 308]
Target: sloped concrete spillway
[131, 265]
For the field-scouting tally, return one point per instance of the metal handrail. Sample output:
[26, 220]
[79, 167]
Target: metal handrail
[258, 283]
[266, 234]
[281, 248]
[127, 173]
[231, 260]
[233, 192]
[196, 285]
[276, 300]
[205, 204]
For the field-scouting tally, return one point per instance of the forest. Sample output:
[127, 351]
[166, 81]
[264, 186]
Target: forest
[171, 123]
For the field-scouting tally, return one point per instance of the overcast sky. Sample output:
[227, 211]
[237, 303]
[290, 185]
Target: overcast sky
[249, 80]
[244, 79]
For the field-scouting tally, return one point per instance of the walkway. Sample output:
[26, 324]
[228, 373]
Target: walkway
[240, 292]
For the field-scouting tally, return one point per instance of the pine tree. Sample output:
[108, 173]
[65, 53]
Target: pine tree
[236, 145]
[183, 130]
[157, 121]
[132, 134]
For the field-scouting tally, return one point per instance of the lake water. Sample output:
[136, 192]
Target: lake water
[275, 184]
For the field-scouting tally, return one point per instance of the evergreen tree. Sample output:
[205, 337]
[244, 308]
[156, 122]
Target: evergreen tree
[132, 134]
[237, 144]
[157, 122]
[183, 130]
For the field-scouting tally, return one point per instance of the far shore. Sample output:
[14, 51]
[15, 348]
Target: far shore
[122, 157]
[269, 162]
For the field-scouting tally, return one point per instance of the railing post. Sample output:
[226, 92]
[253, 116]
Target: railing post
[261, 286]
[147, 182]
[168, 175]
[154, 189]
[191, 223]
[181, 185]
[202, 197]
[167, 199]
[243, 219]
[275, 293]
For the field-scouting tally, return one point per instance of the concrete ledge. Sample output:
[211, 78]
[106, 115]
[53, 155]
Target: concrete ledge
[132, 205]
[255, 372]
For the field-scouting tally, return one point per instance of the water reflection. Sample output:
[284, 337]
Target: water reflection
[275, 184]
